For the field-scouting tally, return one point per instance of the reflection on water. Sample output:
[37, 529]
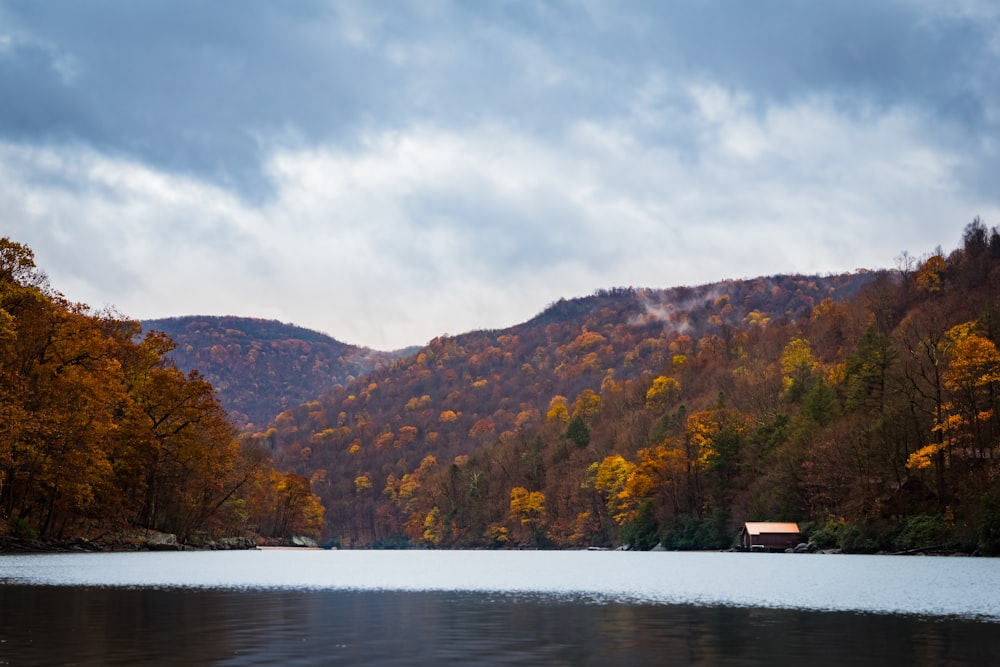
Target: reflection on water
[52, 625]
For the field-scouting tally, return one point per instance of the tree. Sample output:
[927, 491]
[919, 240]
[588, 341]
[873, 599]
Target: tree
[527, 509]
[577, 431]
[797, 364]
[286, 507]
[663, 392]
[969, 420]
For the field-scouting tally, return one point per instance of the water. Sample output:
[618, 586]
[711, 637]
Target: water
[482, 607]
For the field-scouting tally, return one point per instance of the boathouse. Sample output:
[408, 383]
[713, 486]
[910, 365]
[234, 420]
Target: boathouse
[769, 536]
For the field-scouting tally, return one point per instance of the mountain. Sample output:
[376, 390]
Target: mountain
[459, 395]
[261, 367]
[864, 406]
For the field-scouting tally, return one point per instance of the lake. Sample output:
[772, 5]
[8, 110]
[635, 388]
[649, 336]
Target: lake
[311, 607]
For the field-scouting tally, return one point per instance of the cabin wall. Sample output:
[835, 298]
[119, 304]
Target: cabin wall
[775, 540]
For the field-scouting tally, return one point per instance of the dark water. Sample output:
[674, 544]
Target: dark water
[80, 625]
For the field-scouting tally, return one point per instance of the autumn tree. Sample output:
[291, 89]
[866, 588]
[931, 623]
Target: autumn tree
[968, 423]
[101, 431]
[527, 511]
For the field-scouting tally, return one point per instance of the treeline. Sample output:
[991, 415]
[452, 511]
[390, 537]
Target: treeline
[868, 415]
[100, 436]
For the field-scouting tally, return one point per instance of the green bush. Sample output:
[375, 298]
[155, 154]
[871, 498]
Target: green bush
[862, 538]
[828, 535]
[691, 533]
[20, 528]
[988, 528]
[924, 531]
[643, 533]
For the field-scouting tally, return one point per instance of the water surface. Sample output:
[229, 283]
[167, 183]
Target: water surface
[479, 607]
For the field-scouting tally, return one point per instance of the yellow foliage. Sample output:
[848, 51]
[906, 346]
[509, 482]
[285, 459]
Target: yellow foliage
[796, 356]
[433, 530]
[362, 483]
[929, 274]
[526, 506]
[412, 404]
[797, 362]
[611, 474]
[702, 429]
[448, 417]
[975, 361]
[496, 533]
[587, 404]
[921, 459]
[663, 391]
[557, 410]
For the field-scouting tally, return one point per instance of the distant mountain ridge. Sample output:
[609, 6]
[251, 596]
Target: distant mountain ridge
[260, 367]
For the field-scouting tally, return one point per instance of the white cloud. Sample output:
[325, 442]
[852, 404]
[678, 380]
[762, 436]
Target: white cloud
[424, 230]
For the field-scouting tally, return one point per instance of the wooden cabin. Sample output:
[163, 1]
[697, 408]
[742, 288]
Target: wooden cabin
[769, 536]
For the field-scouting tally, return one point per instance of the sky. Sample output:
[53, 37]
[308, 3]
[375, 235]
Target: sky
[387, 172]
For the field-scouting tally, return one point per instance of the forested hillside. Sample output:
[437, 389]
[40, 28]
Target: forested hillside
[102, 437]
[261, 367]
[862, 406]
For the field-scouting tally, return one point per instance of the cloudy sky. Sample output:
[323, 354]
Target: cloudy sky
[386, 172]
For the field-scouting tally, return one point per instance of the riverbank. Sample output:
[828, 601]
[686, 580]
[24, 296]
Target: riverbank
[123, 543]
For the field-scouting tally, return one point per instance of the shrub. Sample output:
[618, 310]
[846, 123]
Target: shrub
[20, 528]
[828, 535]
[643, 533]
[988, 528]
[924, 531]
[862, 538]
[691, 533]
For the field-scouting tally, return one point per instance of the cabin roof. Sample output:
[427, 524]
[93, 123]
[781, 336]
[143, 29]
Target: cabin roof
[762, 527]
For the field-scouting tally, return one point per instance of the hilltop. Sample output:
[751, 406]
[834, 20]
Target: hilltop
[261, 367]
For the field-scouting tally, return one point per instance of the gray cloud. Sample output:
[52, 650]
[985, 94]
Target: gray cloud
[390, 171]
[206, 88]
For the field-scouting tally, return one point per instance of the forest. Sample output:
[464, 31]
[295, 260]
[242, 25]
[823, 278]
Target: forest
[104, 440]
[862, 406]
[261, 367]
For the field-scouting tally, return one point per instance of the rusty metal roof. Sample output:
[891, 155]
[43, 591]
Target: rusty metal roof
[760, 527]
